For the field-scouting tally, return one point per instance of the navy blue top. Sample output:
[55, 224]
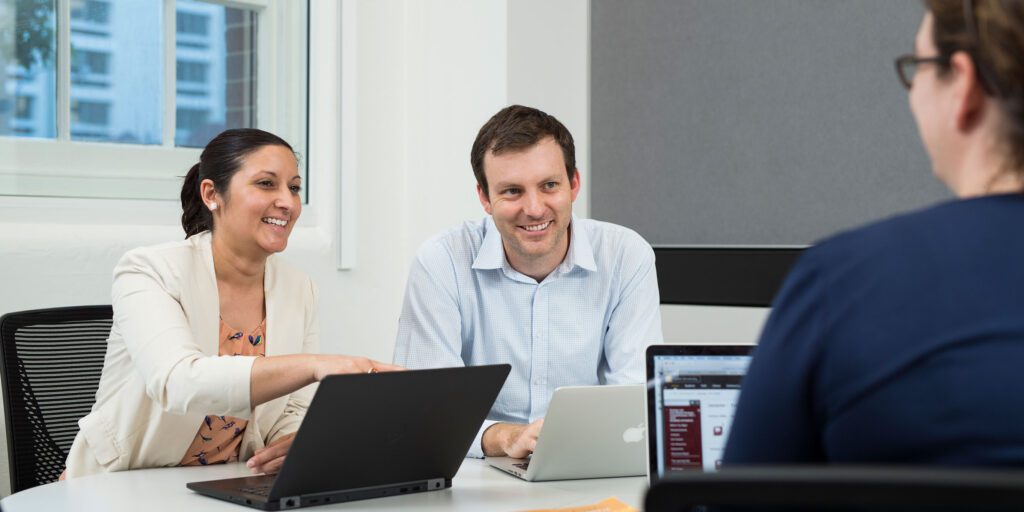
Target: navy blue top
[899, 342]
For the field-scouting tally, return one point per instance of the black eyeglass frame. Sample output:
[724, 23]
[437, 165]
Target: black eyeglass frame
[906, 62]
[985, 77]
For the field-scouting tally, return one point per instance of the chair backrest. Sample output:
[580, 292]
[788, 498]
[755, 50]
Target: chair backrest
[51, 365]
[858, 488]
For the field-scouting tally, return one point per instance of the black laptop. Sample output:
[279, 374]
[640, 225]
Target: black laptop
[374, 435]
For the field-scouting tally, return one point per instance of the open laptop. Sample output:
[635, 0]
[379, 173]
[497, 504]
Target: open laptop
[589, 432]
[692, 392]
[372, 435]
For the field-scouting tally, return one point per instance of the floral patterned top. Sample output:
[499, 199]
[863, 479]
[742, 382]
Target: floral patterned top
[219, 437]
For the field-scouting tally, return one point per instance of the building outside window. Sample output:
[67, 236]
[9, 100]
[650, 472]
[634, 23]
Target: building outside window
[96, 11]
[23, 107]
[88, 62]
[192, 116]
[132, 81]
[192, 23]
[90, 112]
[189, 71]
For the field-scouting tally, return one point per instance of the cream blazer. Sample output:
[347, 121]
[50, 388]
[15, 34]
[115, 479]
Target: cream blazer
[162, 373]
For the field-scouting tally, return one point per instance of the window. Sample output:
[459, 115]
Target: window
[216, 82]
[88, 62]
[27, 68]
[191, 71]
[94, 11]
[119, 65]
[190, 23]
[90, 112]
[192, 116]
[129, 90]
[23, 107]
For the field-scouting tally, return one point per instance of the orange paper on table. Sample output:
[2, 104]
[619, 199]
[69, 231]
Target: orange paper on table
[612, 504]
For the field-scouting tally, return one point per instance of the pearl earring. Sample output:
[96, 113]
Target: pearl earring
[213, 206]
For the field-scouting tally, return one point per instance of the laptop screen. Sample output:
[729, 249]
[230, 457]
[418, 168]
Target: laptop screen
[691, 398]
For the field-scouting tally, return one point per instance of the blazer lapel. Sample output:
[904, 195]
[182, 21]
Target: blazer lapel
[205, 320]
[275, 333]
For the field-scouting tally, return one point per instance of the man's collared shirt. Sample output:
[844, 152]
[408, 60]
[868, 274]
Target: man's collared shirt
[586, 323]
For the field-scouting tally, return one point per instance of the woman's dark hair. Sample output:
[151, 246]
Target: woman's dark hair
[992, 33]
[219, 161]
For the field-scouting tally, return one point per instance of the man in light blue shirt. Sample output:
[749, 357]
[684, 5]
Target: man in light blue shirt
[565, 301]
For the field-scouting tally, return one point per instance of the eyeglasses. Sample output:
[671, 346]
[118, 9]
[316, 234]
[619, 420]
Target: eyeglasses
[906, 66]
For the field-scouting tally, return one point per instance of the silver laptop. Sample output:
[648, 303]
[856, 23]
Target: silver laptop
[589, 432]
[691, 398]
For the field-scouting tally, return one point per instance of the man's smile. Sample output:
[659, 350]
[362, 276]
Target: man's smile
[534, 228]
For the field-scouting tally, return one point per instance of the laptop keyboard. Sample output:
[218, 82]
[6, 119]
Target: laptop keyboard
[522, 465]
[259, 490]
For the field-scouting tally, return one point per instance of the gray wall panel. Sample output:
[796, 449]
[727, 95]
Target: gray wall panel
[752, 121]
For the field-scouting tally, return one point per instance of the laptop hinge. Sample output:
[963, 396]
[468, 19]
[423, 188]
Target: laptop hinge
[287, 502]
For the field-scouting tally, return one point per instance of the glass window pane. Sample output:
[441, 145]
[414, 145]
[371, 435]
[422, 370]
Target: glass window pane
[117, 71]
[28, 70]
[216, 66]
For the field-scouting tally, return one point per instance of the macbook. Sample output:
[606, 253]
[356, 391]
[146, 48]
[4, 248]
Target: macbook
[691, 398]
[372, 435]
[589, 432]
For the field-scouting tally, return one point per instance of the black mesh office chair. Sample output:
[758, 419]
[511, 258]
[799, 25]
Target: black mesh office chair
[52, 360]
[814, 488]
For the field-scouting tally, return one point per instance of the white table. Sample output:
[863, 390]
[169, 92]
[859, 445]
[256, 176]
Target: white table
[476, 487]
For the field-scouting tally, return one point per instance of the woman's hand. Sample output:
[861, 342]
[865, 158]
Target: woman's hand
[276, 376]
[270, 458]
[331, 365]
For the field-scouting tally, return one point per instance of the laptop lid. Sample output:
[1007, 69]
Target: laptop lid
[366, 431]
[692, 391]
[589, 432]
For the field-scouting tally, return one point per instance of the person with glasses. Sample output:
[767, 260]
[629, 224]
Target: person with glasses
[901, 342]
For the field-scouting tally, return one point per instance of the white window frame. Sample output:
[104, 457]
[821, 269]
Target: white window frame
[281, 108]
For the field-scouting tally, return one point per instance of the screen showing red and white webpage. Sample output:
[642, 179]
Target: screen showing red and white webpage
[695, 399]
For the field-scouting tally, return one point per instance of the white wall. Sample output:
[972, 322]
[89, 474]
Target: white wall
[712, 325]
[549, 68]
[419, 79]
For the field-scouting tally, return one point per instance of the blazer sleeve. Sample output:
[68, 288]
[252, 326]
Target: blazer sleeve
[298, 402]
[178, 376]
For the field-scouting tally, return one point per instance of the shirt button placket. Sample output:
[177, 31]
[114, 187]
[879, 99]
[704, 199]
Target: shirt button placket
[539, 362]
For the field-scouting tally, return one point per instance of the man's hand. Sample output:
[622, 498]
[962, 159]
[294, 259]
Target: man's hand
[270, 458]
[512, 439]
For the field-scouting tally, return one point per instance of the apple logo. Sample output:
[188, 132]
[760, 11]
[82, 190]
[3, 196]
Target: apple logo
[634, 434]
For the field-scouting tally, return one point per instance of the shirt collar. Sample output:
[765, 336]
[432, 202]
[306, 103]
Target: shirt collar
[581, 254]
[492, 252]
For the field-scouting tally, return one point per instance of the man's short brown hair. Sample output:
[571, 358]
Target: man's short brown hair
[516, 128]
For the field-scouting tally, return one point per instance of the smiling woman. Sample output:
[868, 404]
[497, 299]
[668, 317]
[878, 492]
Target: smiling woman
[207, 329]
[266, 186]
